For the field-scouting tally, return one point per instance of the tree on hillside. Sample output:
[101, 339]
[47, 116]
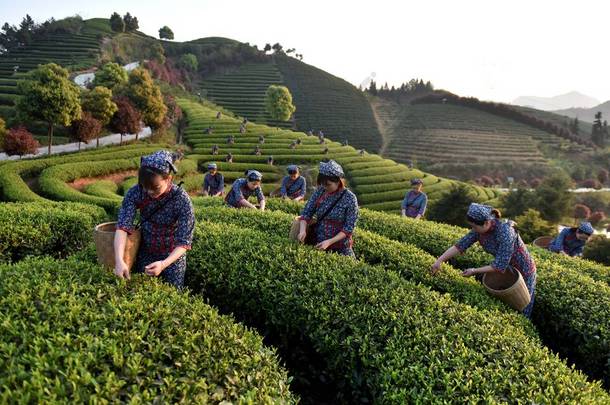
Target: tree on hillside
[146, 97]
[277, 48]
[19, 141]
[111, 76]
[599, 132]
[166, 33]
[267, 48]
[189, 62]
[553, 198]
[2, 133]
[517, 202]
[531, 225]
[127, 119]
[116, 23]
[603, 175]
[98, 102]
[373, 88]
[85, 129]
[48, 95]
[452, 206]
[278, 102]
[131, 23]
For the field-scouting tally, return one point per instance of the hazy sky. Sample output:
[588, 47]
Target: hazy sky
[488, 49]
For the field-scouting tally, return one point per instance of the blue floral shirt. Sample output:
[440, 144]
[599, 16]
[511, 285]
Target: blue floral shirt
[170, 227]
[293, 189]
[505, 244]
[415, 203]
[342, 218]
[567, 242]
[240, 191]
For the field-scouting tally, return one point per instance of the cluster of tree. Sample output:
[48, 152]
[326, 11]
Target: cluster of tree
[17, 140]
[14, 37]
[127, 23]
[599, 132]
[506, 111]
[413, 87]
[212, 58]
[278, 102]
[166, 33]
[119, 101]
[278, 49]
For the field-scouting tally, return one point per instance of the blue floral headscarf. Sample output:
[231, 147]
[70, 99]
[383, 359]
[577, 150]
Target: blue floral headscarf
[480, 212]
[586, 227]
[160, 161]
[331, 168]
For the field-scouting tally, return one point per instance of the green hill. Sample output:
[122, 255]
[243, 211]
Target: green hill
[465, 143]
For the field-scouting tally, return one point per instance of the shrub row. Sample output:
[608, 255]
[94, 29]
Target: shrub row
[72, 332]
[56, 229]
[379, 337]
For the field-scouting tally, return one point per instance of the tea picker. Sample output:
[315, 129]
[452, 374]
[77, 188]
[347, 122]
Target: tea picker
[245, 187]
[213, 182]
[512, 274]
[415, 202]
[166, 224]
[294, 185]
[572, 241]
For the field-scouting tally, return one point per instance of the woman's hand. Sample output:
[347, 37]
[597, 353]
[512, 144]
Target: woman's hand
[436, 267]
[469, 272]
[325, 244]
[302, 236]
[121, 270]
[155, 268]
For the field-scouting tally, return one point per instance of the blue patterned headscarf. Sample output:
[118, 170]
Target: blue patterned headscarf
[416, 181]
[331, 168]
[160, 161]
[292, 168]
[212, 166]
[254, 175]
[586, 227]
[480, 212]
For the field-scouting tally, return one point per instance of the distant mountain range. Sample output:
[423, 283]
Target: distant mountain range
[587, 114]
[566, 101]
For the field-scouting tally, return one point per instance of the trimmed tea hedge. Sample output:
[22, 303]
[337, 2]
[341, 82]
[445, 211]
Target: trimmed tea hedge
[72, 332]
[56, 229]
[380, 338]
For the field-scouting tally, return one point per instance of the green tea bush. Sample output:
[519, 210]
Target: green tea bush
[54, 229]
[380, 338]
[72, 332]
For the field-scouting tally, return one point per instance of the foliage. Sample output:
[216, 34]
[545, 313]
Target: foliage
[85, 129]
[531, 225]
[127, 119]
[3, 132]
[598, 249]
[553, 199]
[581, 212]
[131, 23]
[99, 103]
[111, 75]
[146, 97]
[451, 207]
[48, 95]
[166, 33]
[116, 22]
[136, 342]
[20, 141]
[189, 62]
[278, 101]
[56, 229]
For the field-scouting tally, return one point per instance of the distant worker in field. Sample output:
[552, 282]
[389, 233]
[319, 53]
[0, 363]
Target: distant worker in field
[293, 145]
[213, 182]
[500, 239]
[257, 150]
[214, 149]
[345, 142]
[572, 241]
[298, 141]
[231, 140]
[310, 133]
[245, 121]
[294, 185]
[208, 130]
[243, 188]
[335, 209]
[229, 158]
[261, 139]
[325, 151]
[218, 115]
[242, 129]
[361, 152]
[270, 161]
[415, 202]
[167, 222]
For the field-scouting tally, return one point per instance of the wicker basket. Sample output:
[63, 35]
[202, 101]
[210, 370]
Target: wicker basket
[103, 235]
[543, 242]
[509, 287]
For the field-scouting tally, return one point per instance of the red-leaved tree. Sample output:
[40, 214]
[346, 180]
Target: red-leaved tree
[85, 129]
[127, 119]
[603, 176]
[597, 217]
[581, 211]
[20, 141]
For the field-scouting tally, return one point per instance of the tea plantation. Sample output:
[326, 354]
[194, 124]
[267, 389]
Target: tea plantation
[378, 329]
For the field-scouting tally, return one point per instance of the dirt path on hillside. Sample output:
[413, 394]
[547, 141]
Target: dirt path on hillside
[382, 125]
[117, 178]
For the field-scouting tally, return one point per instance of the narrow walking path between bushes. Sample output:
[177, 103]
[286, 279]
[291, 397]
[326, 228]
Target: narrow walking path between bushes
[113, 139]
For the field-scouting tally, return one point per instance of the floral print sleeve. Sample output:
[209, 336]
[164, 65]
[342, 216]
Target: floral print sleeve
[185, 224]
[259, 194]
[127, 213]
[557, 243]
[310, 208]
[351, 214]
[468, 240]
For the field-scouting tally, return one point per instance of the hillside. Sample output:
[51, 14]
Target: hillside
[465, 143]
[587, 114]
